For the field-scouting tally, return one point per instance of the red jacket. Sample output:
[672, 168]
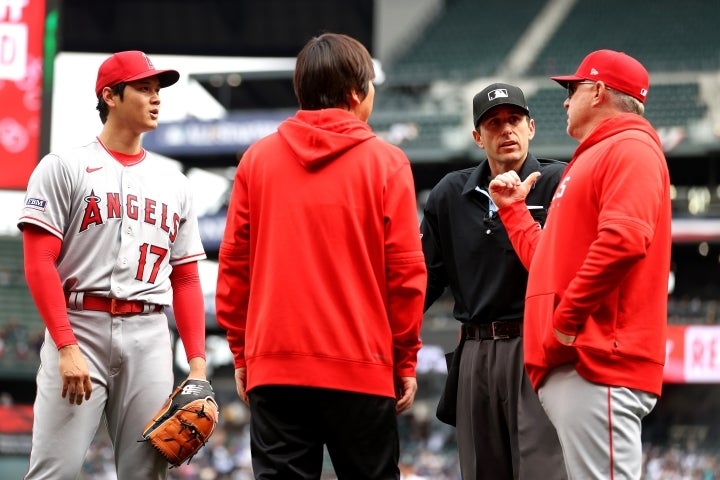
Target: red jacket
[600, 267]
[322, 275]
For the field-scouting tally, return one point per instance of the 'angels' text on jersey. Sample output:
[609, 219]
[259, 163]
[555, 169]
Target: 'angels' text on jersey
[146, 211]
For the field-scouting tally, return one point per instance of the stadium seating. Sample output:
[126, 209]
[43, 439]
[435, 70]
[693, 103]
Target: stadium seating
[665, 35]
[467, 42]
[674, 105]
[423, 136]
[668, 106]
[546, 107]
[21, 330]
[14, 296]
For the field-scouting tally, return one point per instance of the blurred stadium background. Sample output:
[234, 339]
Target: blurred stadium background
[433, 55]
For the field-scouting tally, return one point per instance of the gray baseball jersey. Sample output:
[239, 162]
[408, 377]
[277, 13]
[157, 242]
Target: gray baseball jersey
[122, 227]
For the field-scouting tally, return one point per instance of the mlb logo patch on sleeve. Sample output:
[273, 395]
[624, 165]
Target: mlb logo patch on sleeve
[36, 203]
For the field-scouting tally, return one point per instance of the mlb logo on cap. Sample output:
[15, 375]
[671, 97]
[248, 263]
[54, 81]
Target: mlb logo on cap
[497, 94]
[500, 92]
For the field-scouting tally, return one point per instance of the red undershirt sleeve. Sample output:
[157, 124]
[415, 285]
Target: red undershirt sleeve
[41, 250]
[523, 230]
[189, 308]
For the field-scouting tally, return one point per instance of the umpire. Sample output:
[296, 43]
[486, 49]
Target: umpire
[502, 430]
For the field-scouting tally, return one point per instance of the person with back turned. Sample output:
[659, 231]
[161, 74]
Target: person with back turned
[322, 279]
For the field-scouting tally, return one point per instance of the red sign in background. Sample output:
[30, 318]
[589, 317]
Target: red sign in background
[693, 354]
[21, 61]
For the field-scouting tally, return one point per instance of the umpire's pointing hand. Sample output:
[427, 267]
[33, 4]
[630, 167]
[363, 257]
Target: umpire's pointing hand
[507, 188]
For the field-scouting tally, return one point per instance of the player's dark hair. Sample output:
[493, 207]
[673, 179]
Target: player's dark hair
[103, 108]
[329, 68]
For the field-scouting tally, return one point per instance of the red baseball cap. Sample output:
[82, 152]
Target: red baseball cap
[130, 66]
[616, 69]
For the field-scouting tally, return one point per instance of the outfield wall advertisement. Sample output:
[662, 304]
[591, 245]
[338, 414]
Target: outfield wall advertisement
[21, 60]
[693, 354]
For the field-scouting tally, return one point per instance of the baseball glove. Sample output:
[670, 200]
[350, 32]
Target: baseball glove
[184, 423]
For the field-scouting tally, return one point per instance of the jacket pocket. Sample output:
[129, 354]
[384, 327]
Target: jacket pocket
[539, 313]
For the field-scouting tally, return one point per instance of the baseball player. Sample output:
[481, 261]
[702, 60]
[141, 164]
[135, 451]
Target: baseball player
[110, 238]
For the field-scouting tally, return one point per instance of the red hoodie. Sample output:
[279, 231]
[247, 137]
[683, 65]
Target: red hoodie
[322, 275]
[600, 267]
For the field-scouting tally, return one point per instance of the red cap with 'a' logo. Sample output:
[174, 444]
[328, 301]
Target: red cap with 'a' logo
[617, 70]
[130, 66]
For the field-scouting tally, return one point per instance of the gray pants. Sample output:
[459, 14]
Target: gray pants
[502, 431]
[130, 361]
[599, 426]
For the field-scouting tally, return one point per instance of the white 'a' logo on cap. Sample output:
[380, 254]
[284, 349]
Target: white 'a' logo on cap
[499, 93]
[149, 63]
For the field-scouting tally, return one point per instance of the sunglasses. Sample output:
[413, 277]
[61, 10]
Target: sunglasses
[572, 87]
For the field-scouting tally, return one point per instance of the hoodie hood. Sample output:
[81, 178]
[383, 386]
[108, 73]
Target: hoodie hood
[618, 124]
[317, 137]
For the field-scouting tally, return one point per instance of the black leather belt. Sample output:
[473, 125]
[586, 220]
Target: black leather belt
[491, 331]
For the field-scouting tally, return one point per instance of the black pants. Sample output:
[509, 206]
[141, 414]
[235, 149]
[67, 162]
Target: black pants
[289, 426]
[503, 432]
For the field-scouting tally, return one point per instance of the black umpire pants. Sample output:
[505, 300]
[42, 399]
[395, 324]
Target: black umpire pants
[503, 433]
[289, 426]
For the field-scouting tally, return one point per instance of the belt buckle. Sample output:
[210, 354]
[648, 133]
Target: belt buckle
[496, 336]
[114, 307]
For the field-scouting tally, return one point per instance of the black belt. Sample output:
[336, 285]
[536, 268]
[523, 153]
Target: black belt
[491, 331]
